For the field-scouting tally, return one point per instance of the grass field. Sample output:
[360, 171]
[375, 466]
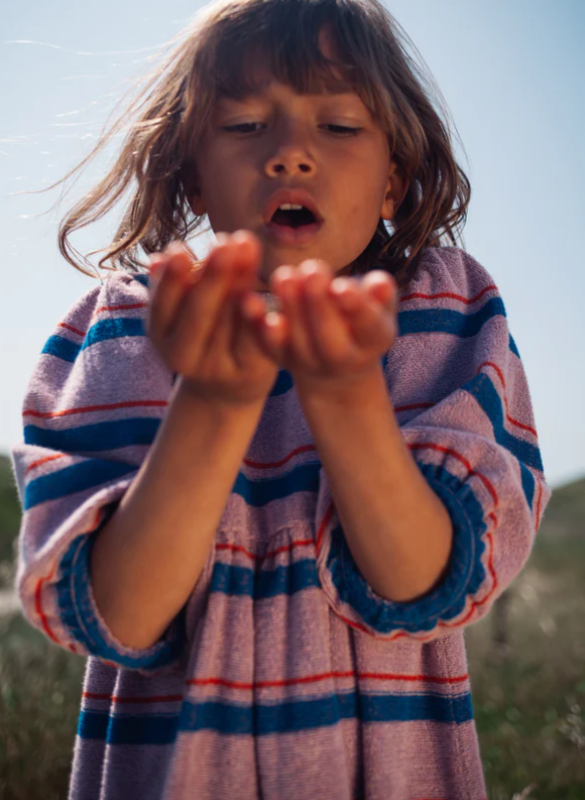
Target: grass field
[528, 694]
[530, 703]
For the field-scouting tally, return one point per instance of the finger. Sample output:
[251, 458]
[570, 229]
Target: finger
[238, 334]
[329, 330]
[170, 277]
[267, 326]
[382, 287]
[199, 310]
[285, 284]
[372, 325]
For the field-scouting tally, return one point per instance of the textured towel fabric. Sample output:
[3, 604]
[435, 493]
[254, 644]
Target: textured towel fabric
[285, 676]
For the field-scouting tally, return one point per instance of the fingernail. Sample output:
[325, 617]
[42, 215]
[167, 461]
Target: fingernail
[340, 285]
[240, 236]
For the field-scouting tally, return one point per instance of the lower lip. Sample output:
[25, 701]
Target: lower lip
[292, 236]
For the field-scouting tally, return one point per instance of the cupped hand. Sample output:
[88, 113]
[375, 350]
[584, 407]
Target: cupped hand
[330, 330]
[196, 323]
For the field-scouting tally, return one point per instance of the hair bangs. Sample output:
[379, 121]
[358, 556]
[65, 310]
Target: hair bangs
[283, 41]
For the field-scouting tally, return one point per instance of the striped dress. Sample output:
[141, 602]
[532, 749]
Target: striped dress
[285, 676]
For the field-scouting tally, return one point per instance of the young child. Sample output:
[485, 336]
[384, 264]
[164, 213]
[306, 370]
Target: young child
[265, 493]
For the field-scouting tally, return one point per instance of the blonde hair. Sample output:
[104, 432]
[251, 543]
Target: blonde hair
[166, 121]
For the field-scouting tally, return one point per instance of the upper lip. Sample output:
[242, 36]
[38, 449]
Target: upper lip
[295, 196]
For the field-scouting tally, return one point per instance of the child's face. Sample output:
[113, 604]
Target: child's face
[258, 151]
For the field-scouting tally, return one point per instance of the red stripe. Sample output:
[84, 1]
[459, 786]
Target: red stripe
[271, 464]
[121, 307]
[378, 676]
[44, 461]
[322, 526]
[439, 295]
[85, 409]
[508, 417]
[169, 698]
[71, 328]
[413, 405]
[253, 556]
[39, 608]
[464, 461]
[537, 520]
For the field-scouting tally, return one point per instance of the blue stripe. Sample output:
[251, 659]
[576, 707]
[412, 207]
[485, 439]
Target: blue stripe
[93, 725]
[96, 437]
[105, 329]
[142, 278]
[61, 348]
[464, 575]
[482, 388]
[513, 347]
[283, 383]
[77, 610]
[288, 580]
[440, 320]
[109, 435]
[304, 478]
[75, 478]
[233, 719]
[528, 484]
[158, 729]
[114, 329]
[433, 320]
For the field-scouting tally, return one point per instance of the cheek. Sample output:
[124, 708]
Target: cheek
[219, 188]
[367, 178]
[366, 198]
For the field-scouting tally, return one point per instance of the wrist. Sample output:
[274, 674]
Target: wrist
[356, 389]
[199, 395]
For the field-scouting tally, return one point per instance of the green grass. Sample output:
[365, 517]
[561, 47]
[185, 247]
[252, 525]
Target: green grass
[40, 689]
[530, 703]
[9, 521]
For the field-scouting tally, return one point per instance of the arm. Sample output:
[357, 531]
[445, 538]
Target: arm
[398, 530]
[148, 557]
[457, 385]
[112, 452]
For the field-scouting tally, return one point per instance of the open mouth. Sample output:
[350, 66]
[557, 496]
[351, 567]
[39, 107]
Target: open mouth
[291, 215]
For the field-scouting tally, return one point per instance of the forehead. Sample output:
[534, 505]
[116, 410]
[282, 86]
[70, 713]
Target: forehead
[308, 67]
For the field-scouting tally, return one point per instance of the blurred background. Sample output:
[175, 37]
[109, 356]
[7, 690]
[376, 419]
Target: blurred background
[511, 73]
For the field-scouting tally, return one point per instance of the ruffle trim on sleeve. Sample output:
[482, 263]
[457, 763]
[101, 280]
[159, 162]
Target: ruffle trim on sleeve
[79, 613]
[353, 599]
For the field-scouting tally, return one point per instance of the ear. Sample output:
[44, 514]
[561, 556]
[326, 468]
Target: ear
[192, 190]
[396, 190]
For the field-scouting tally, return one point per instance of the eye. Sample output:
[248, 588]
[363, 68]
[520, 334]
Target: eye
[342, 130]
[244, 127]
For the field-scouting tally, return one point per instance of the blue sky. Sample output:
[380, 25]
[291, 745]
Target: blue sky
[512, 76]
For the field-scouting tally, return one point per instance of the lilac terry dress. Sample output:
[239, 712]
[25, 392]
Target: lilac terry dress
[285, 676]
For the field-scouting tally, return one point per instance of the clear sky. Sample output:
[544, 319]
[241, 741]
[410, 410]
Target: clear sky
[511, 72]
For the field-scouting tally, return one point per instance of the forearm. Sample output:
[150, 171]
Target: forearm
[148, 557]
[398, 530]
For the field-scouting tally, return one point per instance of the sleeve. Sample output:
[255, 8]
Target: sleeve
[460, 394]
[91, 410]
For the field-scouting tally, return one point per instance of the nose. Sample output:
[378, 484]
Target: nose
[289, 156]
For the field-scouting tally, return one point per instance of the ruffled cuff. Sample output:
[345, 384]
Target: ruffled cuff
[357, 604]
[79, 613]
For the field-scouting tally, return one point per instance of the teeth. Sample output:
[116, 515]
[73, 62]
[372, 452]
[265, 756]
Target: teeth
[289, 207]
